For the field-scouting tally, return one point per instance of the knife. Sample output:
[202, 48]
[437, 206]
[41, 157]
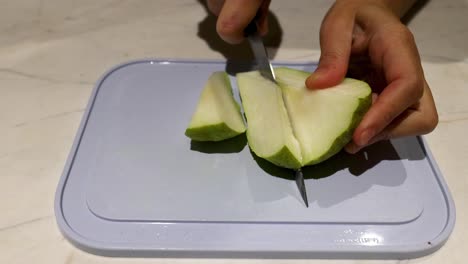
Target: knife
[266, 70]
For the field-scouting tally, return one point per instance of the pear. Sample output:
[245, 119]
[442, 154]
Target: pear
[217, 115]
[292, 126]
[323, 120]
[269, 132]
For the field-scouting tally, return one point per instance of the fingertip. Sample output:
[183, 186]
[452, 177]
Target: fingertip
[321, 79]
[363, 137]
[352, 148]
[357, 134]
[228, 30]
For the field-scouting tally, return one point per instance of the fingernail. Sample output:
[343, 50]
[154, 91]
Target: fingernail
[365, 137]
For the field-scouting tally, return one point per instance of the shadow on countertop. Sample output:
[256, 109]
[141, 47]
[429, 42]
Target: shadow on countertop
[439, 28]
[237, 55]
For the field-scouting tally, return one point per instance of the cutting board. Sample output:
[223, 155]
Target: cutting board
[135, 185]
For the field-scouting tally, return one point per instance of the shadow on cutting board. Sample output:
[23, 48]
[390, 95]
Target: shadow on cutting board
[357, 164]
[232, 145]
[327, 192]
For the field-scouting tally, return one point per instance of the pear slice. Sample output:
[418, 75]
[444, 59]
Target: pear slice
[217, 115]
[269, 132]
[323, 120]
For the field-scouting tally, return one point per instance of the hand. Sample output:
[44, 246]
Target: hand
[369, 31]
[235, 15]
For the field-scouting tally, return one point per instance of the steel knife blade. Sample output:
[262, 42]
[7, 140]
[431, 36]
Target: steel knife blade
[266, 70]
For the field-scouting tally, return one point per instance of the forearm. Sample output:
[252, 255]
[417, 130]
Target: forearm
[400, 7]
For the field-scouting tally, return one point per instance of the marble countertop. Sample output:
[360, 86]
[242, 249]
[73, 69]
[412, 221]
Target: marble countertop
[52, 52]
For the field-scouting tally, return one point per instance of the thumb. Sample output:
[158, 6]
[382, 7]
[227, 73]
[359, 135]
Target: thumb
[335, 44]
[234, 18]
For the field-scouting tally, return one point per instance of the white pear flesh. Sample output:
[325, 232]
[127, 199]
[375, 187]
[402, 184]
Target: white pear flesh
[269, 132]
[323, 120]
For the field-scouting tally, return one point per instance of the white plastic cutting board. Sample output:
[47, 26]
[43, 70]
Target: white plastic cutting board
[135, 185]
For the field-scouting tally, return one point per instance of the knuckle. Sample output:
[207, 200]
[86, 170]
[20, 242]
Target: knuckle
[406, 34]
[387, 118]
[415, 88]
[332, 55]
[403, 32]
[332, 59]
[384, 135]
[397, 32]
[429, 123]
